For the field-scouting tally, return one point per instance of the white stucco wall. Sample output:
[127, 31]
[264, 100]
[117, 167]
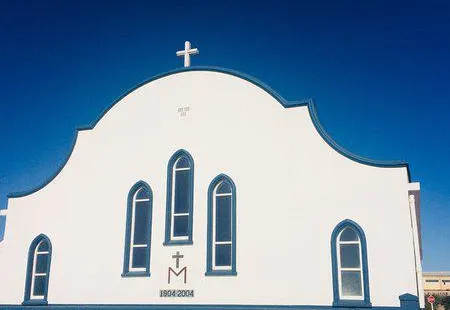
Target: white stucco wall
[292, 190]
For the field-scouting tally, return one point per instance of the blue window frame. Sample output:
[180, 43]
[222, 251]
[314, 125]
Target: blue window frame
[221, 238]
[349, 263]
[38, 271]
[138, 231]
[180, 197]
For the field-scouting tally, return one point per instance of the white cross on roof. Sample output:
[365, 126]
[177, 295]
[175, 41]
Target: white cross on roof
[187, 52]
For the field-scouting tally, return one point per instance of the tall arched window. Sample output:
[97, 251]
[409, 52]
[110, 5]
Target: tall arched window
[350, 274]
[180, 194]
[38, 270]
[221, 247]
[138, 231]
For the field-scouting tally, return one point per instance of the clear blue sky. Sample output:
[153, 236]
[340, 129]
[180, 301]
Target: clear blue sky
[379, 72]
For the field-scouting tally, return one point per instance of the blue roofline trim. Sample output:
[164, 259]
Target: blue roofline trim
[286, 104]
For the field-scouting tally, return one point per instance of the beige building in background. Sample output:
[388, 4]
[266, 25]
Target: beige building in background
[436, 283]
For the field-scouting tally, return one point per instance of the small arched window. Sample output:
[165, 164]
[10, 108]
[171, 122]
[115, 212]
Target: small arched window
[38, 270]
[221, 247]
[180, 193]
[138, 231]
[350, 275]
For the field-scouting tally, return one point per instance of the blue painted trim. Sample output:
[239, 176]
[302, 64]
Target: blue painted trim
[126, 261]
[352, 304]
[192, 307]
[337, 301]
[218, 273]
[409, 302]
[209, 242]
[27, 294]
[178, 242]
[181, 307]
[270, 91]
[172, 160]
[136, 274]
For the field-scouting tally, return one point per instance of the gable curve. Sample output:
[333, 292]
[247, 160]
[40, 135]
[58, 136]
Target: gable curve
[286, 104]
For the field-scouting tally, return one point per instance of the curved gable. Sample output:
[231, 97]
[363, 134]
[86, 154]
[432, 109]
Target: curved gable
[284, 103]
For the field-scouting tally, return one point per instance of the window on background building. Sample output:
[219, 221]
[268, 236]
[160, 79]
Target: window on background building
[180, 192]
[38, 271]
[138, 231]
[221, 254]
[350, 276]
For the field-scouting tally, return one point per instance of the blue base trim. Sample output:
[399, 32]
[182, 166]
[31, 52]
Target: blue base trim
[183, 307]
[136, 274]
[270, 91]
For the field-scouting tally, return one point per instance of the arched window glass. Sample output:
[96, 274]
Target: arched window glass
[221, 253]
[350, 265]
[180, 187]
[38, 271]
[138, 234]
[350, 269]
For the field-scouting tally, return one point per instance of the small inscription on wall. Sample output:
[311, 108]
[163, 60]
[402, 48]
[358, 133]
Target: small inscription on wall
[183, 111]
[177, 274]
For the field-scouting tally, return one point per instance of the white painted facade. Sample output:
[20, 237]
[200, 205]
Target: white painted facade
[292, 189]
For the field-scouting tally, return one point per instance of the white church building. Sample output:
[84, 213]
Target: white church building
[203, 188]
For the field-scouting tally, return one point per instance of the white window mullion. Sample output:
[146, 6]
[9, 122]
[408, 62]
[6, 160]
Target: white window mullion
[172, 203]
[181, 214]
[182, 169]
[340, 268]
[133, 222]
[34, 274]
[224, 242]
[215, 242]
[348, 242]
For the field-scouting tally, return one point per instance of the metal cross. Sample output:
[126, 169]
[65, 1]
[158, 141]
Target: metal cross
[187, 52]
[178, 256]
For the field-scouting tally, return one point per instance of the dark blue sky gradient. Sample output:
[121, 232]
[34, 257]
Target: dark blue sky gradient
[379, 72]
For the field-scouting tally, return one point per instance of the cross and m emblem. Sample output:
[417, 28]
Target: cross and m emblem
[177, 272]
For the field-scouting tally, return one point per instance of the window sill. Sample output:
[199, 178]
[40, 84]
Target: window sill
[178, 242]
[352, 304]
[135, 274]
[220, 273]
[34, 302]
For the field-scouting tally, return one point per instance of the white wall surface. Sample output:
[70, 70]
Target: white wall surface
[292, 190]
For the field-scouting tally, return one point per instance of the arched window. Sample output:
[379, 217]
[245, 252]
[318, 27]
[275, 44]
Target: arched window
[221, 247]
[180, 194]
[350, 275]
[38, 270]
[138, 231]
